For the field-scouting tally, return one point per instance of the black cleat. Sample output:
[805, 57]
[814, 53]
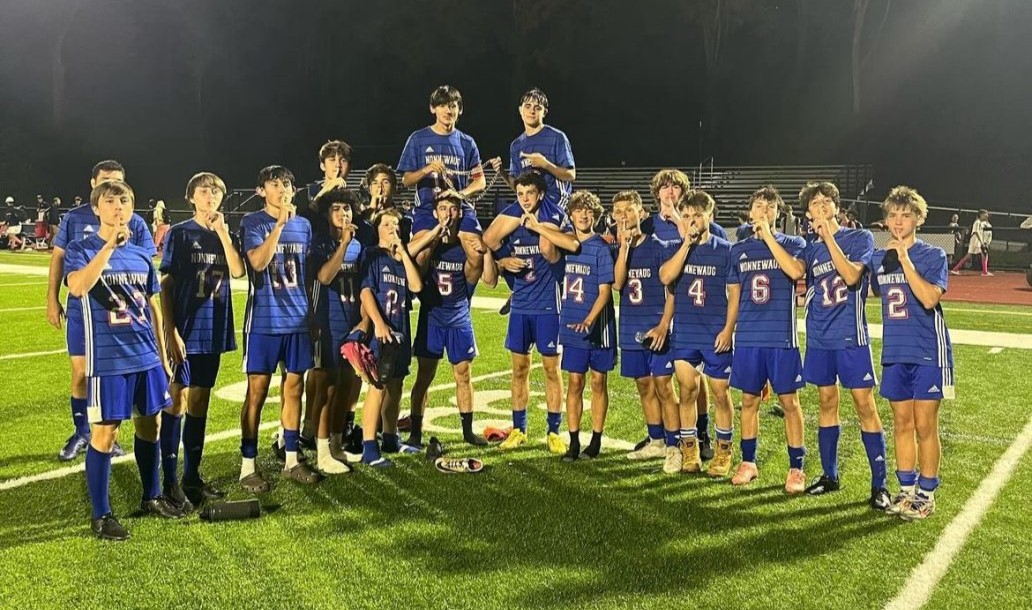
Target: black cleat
[200, 492]
[161, 507]
[75, 445]
[822, 486]
[477, 440]
[592, 451]
[175, 496]
[307, 443]
[880, 499]
[705, 448]
[302, 473]
[255, 483]
[414, 440]
[506, 307]
[572, 454]
[108, 528]
[641, 444]
[434, 449]
[353, 442]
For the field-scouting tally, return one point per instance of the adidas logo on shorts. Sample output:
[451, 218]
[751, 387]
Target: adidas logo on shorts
[934, 389]
[798, 377]
[551, 344]
[868, 377]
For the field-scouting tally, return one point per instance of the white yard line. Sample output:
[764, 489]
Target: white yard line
[23, 284]
[32, 354]
[926, 576]
[12, 309]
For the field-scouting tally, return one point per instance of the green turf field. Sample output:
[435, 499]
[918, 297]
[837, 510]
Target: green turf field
[528, 532]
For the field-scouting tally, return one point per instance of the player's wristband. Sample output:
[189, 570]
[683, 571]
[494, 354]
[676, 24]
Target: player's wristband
[504, 251]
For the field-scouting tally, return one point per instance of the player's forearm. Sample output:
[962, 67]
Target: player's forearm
[158, 324]
[233, 259]
[412, 276]
[733, 294]
[668, 310]
[605, 297]
[792, 266]
[82, 281]
[425, 239]
[473, 270]
[55, 275]
[927, 294]
[370, 308]
[410, 178]
[566, 174]
[500, 228]
[168, 298]
[851, 272]
[261, 256]
[566, 241]
[489, 270]
[620, 267]
[670, 270]
[478, 183]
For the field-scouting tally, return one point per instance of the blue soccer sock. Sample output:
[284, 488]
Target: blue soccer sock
[749, 449]
[291, 440]
[725, 435]
[796, 457]
[249, 448]
[655, 431]
[702, 424]
[169, 437]
[370, 451]
[671, 437]
[554, 421]
[874, 445]
[82, 425]
[907, 479]
[98, 479]
[147, 457]
[827, 445]
[519, 420]
[926, 486]
[193, 446]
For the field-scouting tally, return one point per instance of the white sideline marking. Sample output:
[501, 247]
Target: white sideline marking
[922, 582]
[58, 473]
[995, 350]
[32, 354]
[10, 309]
[23, 284]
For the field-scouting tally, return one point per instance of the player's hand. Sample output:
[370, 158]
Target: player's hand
[55, 313]
[495, 163]
[670, 213]
[626, 234]
[383, 333]
[512, 264]
[436, 167]
[337, 182]
[175, 346]
[723, 341]
[393, 245]
[531, 222]
[451, 193]
[761, 228]
[120, 236]
[537, 160]
[216, 222]
[286, 212]
[820, 227]
[659, 338]
[581, 327]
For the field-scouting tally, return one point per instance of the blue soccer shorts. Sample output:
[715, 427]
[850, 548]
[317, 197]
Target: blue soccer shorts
[916, 382]
[753, 367]
[75, 335]
[853, 367]
[540, 330]
[326, 351]
[716, 365]
[638, 363]
[112, 398]
[264, 353]
[433, 340]
[197, 371]
[579, 360]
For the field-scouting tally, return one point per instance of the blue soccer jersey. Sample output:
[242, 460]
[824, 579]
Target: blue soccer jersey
[446, 293]
[554, 146]
[835, 316]
[535, 289]
[911, 333]
[194, 257]
[116, 313]
[668, 231]
[457, 150]
[767, 306]
[385, 277]
[643, 296]
[585, 272]
[700, 295]
[337, 305]
[277, 300]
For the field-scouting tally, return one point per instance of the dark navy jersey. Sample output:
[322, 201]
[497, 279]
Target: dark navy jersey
[700, 295]
[385, 277]
[911, 333]
[277, 300]
[446, 293]
[337, 305]
[457, 150]
[585, 272]
[116, 312]
[535, 288]
[194, 257]
[835, 316]
[643, 296]
[767, 307]
[554, 146]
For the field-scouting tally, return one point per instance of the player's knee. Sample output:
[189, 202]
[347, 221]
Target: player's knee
[146, 427]
[599, 382]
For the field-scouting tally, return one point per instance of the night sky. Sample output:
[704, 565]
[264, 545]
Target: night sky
[171, 88]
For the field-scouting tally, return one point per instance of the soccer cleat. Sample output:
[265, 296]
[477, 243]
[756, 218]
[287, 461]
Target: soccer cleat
[721, 464]
[434, 449]
[691, 461]
[307, 443]
[516, 438]
[380, 462]
[474, 439]
[641, 444]
[506, 307]
[556, 444]
[900, 502]
[747, 473]
[117, 451]
[200, 492]
[822, 486]
[108, 528]
[255, 483]
[705, 448]
[161, 507]
[880, 499]
[496, 435]
[175, 496]
[795, 482]
[571, 454]
[652, 450]
[302, 473]
[459, 466]
[672, 462]
[919, 507]
[75, 445]
[361, 358]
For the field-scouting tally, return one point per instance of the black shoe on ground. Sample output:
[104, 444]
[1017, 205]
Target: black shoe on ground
[175, 496]
[302, 473]
[307, 443]
[477, 440]
[822, 486]
[108, 528]
[641, 444]
[255, 483]
[200, 492]
[434, 449]
[353, 441]
[592, 451]
[161, 507]
[75, 445]
[880, 499]
[571, 454]
[705, 448]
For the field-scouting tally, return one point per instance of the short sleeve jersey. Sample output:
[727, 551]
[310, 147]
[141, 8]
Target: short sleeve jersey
[585, 273]
[912, 334]
[767, 306]
[554, 146]
[337, 304]
[446, 293]
[457, 150]
[535, 288]
[835, 316]
[194, 257]
[116, 312]
[277, 300]
[643, 296]
[385, 278]
[700, 295]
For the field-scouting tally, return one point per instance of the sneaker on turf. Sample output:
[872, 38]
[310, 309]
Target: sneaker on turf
[900, 502]
[108, 528]
[459, 466]
[988, 274]
[516, 438]
[302, 473]
[556, 444]
[306, 442]
[721, 464]
[199, 492]
[161, 507]
[76, 444]
[823, 485]
[652, 450]
[435, 448]
[175, 496]
[880, 499]
[672, 461]
[380, 462]
[795, 482]
[920, 507]
[705, 448]
[117, 451]
[747, 473]
[691, 460]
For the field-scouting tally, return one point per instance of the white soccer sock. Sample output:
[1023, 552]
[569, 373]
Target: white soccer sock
[246, 468]
[325, 460]
[291, 460]
[279, 438]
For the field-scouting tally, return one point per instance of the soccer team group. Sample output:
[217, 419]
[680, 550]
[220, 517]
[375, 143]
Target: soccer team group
[331, 285]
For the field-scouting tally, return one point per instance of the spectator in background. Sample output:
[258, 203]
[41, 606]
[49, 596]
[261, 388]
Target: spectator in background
[744, 230]
[981, 237]
[958, 239]
[77, 201]
[851, 217]
[158, 219]
[53, 217]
